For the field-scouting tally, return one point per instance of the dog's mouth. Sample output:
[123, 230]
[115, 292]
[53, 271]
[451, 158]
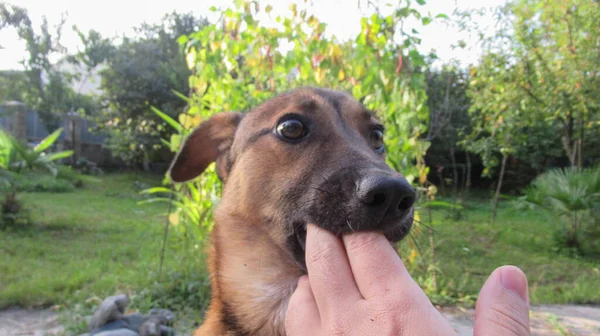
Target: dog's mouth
[301, 236]
[298, 239]
[297, 242]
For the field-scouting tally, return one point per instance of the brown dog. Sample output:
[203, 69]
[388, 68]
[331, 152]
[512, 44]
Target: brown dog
[306, 156]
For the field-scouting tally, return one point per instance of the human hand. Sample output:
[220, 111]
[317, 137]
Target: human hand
[358, 285]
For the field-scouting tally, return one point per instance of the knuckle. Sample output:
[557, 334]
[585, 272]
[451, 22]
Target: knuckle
[322, 255]
[340, 321]
[508, 318]
[387, 309]
[387, 319]
[394, 299]
[337, 327]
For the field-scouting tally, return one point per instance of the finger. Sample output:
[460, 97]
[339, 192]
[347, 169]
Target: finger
[503, 304]
[329, 272]
[376, 266]
[302, 315]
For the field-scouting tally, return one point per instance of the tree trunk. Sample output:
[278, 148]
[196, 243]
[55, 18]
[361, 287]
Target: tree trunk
[468, 178]
[454, 172]
[498, 187]
[580, 143]
[442, 183]
[146, 163]
[568, 144]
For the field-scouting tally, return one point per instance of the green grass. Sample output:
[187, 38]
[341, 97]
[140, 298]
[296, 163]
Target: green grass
[468, 250]
[98, 241]
[94, 241]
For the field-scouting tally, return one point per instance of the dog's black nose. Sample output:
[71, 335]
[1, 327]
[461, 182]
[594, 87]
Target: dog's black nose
[388, 195]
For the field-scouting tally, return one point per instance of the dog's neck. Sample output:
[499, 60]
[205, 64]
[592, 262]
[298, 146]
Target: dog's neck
[253, 278]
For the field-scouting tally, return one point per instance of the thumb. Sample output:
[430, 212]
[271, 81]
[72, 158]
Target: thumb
[503, 304]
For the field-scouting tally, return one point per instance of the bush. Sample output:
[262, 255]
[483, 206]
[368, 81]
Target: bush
[236, 64]
[68, 174]
[13, 212]
[572, 197]
[34, 182]
[85, 166]
[44, 183]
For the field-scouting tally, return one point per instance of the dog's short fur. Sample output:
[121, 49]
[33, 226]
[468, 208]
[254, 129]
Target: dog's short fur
[330, 172]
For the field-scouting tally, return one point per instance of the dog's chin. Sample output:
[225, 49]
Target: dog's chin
[397, 231]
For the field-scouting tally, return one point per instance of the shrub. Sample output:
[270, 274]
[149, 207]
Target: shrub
[85, 166]
[16, 158]
[572, 197]
[13, 212]
[236, 64]
[43, 183]
[38, 182]
[68, 174]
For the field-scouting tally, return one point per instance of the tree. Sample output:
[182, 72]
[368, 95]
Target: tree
[543, 67]
[448, 119]
[12, 85]
[144, 72]
[97, 50]
[536, 81]
[44, 87]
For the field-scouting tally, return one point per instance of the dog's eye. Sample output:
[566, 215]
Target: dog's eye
[291, 129]
[377, 139]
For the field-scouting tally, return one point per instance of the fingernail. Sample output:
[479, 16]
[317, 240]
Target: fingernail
[514, 280]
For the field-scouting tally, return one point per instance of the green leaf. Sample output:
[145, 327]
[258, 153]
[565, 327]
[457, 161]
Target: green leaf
[48, 141]
[421, 2]
[441, 16]
[426, 20]
[58, 155]
[156, 190]
[182, 96]
[165, 142]
[167, 119]
[182, 40]
[441, 204]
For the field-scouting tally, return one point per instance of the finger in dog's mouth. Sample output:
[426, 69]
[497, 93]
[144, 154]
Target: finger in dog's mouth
[300, 232]
[394, 234]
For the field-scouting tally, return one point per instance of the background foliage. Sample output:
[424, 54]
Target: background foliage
[238, 63]
[140, 73]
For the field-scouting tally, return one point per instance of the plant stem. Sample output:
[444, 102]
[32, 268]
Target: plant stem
[498, 188]
[432, 247]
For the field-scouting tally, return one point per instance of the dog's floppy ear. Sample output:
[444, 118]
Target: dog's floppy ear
[208, 143]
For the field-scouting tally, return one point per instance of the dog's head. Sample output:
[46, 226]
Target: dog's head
[306, 156]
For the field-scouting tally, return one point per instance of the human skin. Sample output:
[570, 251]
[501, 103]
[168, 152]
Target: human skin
[358, 285]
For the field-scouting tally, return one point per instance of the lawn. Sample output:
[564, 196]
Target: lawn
[91, 242]
[469, 249]
[98, 241]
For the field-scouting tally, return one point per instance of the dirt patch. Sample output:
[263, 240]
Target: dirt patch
[22, 322]
[545, 320]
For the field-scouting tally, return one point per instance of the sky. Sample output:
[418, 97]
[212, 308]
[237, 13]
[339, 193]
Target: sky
[117, 17]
